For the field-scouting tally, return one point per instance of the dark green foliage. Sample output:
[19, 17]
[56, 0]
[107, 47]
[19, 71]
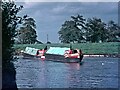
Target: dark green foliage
[68, 32]
[77, 30]
[10, 21]
[96, 30]
[113, 32]
[38, 42]
[48, 42]
[79, 21]
[27, 33]
[72, 31]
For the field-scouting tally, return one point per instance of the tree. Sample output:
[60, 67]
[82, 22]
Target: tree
[68, 32]
[113, 32]
[96, 30]
[38, 42]
[80, 25]
[10, 21]
[71, 31]
[27, 33]
[79, 21]
[48, 42]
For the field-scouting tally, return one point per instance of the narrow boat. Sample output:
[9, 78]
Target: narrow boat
[57, 54]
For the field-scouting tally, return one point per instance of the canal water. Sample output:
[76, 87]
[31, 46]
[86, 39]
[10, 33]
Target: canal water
[92, 73]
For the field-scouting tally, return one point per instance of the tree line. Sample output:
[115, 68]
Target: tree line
[78, 30]
[75, 30]
[26, 34]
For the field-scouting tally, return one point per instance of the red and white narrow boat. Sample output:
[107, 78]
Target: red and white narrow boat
[58, 54]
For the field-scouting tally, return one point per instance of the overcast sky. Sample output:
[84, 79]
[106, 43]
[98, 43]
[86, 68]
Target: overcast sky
[49, 16]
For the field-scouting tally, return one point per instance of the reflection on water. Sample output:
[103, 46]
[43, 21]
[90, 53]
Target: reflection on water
[94, 72]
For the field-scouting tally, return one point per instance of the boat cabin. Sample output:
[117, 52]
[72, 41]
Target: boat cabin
[72, 53]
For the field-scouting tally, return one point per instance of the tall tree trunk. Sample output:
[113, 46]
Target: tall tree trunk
[9, 77]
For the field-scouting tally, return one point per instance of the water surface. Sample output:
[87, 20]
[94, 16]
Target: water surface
[93, 73]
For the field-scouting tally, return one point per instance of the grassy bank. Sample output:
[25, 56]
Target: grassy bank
[87, 48]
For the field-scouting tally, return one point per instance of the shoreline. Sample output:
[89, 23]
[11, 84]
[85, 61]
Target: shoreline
[102, 55]
[19, 53]
[85, 55]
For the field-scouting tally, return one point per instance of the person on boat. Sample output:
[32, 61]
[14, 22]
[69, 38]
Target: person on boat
[72, 53]
[75, 54]
[45, 48]
[40, 52]
[81, 55]
[37, 53]
[75, 51]
[67, 53]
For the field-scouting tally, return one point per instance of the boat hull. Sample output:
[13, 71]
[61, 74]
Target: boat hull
[61, 58]
[55, 58]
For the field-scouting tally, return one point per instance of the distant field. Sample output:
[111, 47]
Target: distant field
[87, 48]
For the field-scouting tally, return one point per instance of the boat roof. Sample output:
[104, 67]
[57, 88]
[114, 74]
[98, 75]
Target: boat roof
[57, 50]
[30, 50]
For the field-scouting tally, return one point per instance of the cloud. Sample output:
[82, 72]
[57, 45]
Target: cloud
[30, 4]
[50, 16]
[59, 9]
